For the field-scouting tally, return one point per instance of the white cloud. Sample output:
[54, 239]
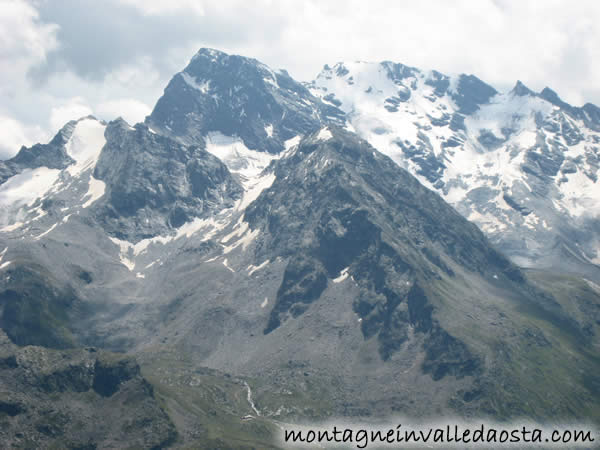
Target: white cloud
[24, 42]
[15, 135]
[549, 43]
[144, 42]
[133, 111]
[158, 7]
[73, 109]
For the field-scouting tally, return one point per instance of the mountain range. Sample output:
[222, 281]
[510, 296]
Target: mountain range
[380, 241]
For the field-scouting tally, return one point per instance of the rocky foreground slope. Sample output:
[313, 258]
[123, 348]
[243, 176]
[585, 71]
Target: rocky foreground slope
[78, 398]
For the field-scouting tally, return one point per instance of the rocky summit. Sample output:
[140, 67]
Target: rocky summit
[380, 242]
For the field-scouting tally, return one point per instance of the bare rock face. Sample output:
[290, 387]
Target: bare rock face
[69, 399]
[238, 96]
[155, 184]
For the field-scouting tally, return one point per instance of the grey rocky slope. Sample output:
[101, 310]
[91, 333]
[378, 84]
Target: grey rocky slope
[343, 272]
[522, 165]
[292, 254]
[67, 399]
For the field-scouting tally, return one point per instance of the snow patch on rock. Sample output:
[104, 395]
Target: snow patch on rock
[191, 81]
[343, 275]
[20, 192]
[85, 145]
[324, 134]
[252, 268]
[96, 190]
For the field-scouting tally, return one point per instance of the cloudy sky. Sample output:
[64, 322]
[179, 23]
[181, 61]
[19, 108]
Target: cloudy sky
[62, 59]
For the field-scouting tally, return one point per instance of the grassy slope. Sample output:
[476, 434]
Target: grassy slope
[543, 350]
[209, 408]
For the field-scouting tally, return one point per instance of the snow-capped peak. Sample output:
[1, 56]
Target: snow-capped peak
[23, 194]
[513, 163]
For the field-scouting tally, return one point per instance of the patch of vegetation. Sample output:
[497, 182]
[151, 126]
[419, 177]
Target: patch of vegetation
[210, 409]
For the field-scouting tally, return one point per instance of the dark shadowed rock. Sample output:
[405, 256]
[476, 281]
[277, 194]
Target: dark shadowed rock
[77, 399]
[235, 95]
[155, 183]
